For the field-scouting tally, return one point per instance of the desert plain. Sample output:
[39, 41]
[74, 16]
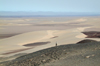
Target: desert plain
[25, 35]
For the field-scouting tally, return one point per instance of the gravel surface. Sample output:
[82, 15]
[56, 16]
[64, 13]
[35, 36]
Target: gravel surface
[86, 54]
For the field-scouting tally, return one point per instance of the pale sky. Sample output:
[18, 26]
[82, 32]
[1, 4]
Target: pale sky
[51, 5]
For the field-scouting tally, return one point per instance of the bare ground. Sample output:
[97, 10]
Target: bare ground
[86, 54]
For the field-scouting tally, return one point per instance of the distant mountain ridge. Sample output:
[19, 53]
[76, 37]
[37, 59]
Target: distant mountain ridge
[44, 14]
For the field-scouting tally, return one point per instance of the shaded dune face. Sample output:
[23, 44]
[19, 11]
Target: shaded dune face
[36, 44]
[27, 45]
[15, 51]
[92, 34]
[7, 35]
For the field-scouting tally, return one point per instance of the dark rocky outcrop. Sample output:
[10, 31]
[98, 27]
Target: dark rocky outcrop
[92, 34]
[67, 55]
[86, 41]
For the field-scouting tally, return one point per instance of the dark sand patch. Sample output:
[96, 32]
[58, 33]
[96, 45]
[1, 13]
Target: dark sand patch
[65, 24]
[36, 44]
[7, 35]
[75, 23]
[92, 34]
[15, 51]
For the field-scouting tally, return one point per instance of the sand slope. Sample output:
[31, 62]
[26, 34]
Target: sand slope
[17, 42]
[19, 32]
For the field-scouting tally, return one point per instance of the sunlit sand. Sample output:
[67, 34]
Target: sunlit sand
[34, 30]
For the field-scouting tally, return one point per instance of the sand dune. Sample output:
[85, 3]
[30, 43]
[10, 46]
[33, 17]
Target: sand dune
[62, 30]
[19, 41]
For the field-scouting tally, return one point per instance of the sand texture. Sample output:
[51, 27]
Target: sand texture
[29, 35]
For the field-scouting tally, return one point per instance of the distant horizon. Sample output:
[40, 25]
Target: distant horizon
[45, 13]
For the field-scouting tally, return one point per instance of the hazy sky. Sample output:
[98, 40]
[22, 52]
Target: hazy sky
[51, 5]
